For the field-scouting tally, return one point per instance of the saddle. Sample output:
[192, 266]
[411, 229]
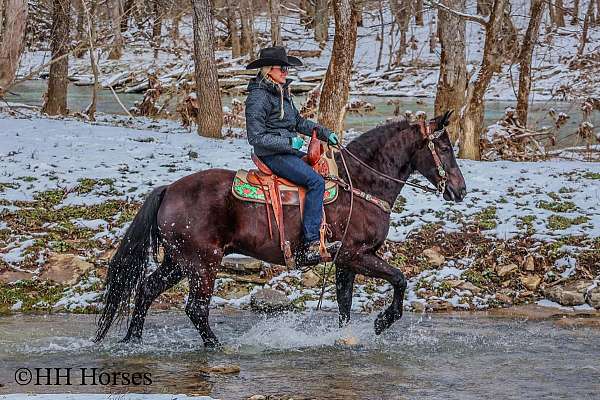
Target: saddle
[261, 185]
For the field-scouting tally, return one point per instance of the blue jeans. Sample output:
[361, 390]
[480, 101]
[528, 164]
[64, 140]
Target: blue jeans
[292, 168]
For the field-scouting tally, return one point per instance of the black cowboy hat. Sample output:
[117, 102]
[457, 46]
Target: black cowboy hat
[275, 55]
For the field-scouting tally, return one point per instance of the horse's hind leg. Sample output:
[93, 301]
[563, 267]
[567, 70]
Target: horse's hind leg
[165, 276]
[373, 266]
[344, 285]
[202, 280]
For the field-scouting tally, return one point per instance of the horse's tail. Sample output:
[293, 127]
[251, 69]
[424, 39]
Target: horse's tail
[127, 267]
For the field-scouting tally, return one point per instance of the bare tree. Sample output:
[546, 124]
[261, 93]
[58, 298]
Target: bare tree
[525, 55]
[402, 11]
[484, 7]
[210, 110]
[321, 22]
[90, 15]
[13, 20]
[247, 22]
[334, 96]
[114, 10]
[274, 11]
[232, 26]
[452, 81]
[574, 12]
[79, 31]
[418, 5]
[589, 17]
[56, 97]
[472, 115]
[156, 26]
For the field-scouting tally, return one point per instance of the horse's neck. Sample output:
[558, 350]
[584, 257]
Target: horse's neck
[392, 158]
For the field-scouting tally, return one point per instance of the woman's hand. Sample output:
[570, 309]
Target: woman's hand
[333, 139]
[297, 142]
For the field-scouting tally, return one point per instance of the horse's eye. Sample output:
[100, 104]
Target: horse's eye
[445, 149]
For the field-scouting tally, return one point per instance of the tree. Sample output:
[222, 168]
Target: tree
[274, 11]
[402, 11]
[210, 111]
[156, 26]
[321, 22]
[472, 113]
[588, 19]
[247, 22]
[56, 96]
[13, 20]
[334, 96]
[114, 10]
[232, 26]
[574, 13]
[452, 81]
[525, 55]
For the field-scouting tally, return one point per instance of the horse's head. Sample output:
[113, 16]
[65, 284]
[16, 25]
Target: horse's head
[437, 143]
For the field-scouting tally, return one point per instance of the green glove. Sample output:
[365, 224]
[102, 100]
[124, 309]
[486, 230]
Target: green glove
[333, 139]
[297, 142]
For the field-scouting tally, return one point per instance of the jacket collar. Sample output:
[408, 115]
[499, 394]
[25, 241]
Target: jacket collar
[261, 82]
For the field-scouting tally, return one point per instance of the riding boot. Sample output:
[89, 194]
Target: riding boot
[310, 254]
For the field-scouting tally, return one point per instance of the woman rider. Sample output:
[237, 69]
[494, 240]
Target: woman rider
[273, 124]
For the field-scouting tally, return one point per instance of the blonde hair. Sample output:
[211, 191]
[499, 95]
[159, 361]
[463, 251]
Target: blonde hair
[264, 71]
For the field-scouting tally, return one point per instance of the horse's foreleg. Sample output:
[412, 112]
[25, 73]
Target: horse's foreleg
[373, 266]
[201, 288]
[167, 275]
[344, 285]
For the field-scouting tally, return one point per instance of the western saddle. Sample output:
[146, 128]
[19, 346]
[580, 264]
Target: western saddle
[263, 186]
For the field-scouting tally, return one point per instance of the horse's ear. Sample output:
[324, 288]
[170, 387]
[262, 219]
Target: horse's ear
[446, 118]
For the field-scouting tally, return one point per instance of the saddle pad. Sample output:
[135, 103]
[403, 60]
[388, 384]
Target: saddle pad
[245, 191]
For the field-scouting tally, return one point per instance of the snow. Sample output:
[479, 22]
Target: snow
[120, 396]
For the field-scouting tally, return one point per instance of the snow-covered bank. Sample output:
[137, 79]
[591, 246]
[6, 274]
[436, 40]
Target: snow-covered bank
[69, 190]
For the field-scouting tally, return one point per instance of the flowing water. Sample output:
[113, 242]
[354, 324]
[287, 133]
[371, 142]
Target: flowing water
[30, 92]
[451, 356]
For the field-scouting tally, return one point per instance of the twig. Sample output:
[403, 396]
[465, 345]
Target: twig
[469, 17]
[119, 101]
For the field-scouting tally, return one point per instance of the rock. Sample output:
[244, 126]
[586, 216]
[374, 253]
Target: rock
[529, 264]
[433, 256]
[269, 300]
[310, 279]
[418, 306]
[594, 297]
[501, 297]
[531, 282]
[570, 294]
[504, 270]
[221, 369]
[10, 276]
[257, 397]
[470, 287]
[242, 264]
[454, 282]
[64, 268]
[347, 341]
[440, 305]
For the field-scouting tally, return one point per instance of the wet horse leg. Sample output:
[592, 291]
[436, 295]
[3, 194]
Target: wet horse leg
[344, 285]
[373, 266]
[202, 281]
[165, 276]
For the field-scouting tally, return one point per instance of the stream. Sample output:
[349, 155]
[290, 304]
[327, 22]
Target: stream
[431, 356]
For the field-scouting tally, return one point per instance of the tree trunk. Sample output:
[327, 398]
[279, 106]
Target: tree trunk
[80, 36]
[233, 28]
[156, 26]
[56, 97]
[13, 21]
[559, 13]
[484, 7]
[589, 15]
[358, 9]
[433, 37]
[452, 81]
[401, 9]
[116, 50]
[247, 37]
[525, 55]
[419, 12]
[322, 22]
[175, 28]
[307, 18]
[274, 11]
[210, 111]
[472, 118]
[574, 14]
[382, 34]
[128, 8]
[334, 96]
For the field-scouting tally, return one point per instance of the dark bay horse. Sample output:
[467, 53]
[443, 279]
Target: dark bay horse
[198, 221]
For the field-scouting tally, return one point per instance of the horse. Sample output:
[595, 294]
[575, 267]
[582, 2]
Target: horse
[197, 221]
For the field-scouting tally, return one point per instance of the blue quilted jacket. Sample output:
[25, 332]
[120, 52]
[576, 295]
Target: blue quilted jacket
[272, 119]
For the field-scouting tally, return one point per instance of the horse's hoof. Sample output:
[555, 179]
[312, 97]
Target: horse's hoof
[131, 339]
[384, 320]
[213, 343]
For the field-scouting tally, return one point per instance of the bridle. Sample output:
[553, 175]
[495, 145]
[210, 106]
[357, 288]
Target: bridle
[429, 133]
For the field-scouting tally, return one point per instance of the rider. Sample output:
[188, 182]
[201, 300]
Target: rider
[273, 124]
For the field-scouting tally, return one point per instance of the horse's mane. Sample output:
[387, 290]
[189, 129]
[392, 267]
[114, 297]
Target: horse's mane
[376, 137]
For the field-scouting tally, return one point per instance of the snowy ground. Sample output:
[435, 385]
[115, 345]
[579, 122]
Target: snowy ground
[94, 165]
